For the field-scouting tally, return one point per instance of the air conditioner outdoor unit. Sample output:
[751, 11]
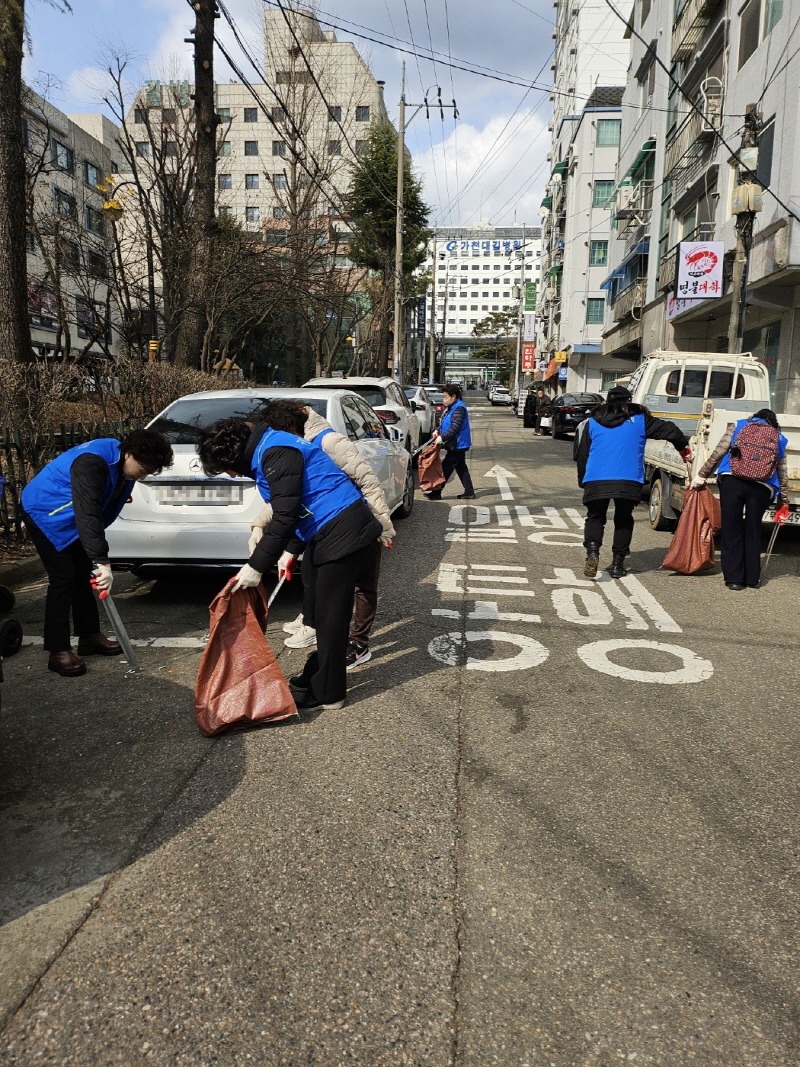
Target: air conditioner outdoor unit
[626, 202]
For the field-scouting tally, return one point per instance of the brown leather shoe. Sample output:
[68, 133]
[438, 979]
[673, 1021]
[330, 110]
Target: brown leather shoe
[66, 664]
[98, 645]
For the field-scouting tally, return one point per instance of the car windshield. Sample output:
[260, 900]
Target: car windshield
[182, 422]
[410, 391]
[436, 398]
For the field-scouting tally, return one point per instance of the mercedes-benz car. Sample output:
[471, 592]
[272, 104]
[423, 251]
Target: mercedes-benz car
[184, 518]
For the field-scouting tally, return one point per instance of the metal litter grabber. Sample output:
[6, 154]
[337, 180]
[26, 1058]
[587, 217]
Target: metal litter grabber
[780, 517]
[119, 630]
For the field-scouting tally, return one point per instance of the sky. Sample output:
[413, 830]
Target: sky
[486, 166]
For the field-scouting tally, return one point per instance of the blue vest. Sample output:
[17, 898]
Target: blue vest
[725, 463]
[326, 491]
[464, 439]
[47, 498]
[616, 453]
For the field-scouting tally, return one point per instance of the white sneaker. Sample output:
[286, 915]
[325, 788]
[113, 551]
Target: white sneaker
[293, 626]
[305, 637]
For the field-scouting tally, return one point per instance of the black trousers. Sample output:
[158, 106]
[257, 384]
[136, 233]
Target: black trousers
[455, 461]
[367, 594]
[743, 504]
[68, 589]
[596, 512]
[328, 590]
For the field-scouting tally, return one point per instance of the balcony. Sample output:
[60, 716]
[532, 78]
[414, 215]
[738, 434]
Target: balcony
[629, 300]
[689, 27]
[668, 266]
[697, 128]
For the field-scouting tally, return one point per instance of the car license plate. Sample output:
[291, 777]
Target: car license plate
[793, 518]
[200, 495]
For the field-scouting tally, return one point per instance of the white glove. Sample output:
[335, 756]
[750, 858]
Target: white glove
[247, 578]
[263, 518]
[102, 578]
[698, 482]
[386, 539]
[255, 536]
[286, 566]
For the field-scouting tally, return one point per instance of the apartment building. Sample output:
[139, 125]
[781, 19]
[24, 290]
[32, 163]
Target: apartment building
[677, 177]
[589, 71]
[69, 242]
[474, 274]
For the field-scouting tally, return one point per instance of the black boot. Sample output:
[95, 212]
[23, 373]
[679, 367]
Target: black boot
[592, 560]
[617, 568]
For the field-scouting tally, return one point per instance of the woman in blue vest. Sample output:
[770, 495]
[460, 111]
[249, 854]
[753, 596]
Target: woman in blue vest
[609, 451]
[66, 509]
[454, 435]
[316, 510]
[744, 500]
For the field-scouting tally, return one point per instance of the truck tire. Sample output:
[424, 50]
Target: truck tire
[656, 501]
[10, 638]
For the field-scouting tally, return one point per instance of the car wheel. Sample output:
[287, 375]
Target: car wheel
[557, 432]
[10, 638]
[7, 600]
[655, 506]
[408, 496]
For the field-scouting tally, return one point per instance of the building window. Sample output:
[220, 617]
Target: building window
[140, 115]
[70, 256]
[168, 115]
[335, 113]
[293, 77]
[224, 181]
[749, 30]
[278, 114]
[595, 309]
[608, 132]
[362, 147]
[251, 181]
[251, 148]
[601, 191]
[276, 238]
[598, 253]
[91, 174]
[171, 149]
[766, 146]
[94, 221]
[143, 149]
[280, 181]
[278, 148]
[252, 214]
[225, 211]
[62, 157]
[362, 113]
[224, 113]
[279, 213]
[773, 15]
[251, 114]
[96, 262]
[64, 204]
[30, 241]
[224, 149]
[334, 148]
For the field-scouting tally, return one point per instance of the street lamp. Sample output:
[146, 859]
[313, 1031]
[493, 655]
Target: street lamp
[114, 209]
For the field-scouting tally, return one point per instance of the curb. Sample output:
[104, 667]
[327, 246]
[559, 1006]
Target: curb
[25, 570]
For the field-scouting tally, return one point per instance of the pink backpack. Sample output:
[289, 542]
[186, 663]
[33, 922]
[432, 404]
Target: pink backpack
[754, 454]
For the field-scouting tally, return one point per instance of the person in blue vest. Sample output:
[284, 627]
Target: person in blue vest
[609, 452]
[455, 437]
[749, 475]
[316, 510]
[66, 508]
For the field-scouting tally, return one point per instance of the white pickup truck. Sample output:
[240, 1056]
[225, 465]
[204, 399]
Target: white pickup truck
[702, 392]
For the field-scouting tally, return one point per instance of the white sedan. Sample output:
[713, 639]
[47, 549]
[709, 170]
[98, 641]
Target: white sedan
[501, 396]
[184, 518]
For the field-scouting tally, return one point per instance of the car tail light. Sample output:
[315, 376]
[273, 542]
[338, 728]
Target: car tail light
[386, 416]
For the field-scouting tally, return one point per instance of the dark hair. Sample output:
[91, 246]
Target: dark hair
[288, 415]
[453, 390]
[221, 445]
[768, 415]
[150, 448]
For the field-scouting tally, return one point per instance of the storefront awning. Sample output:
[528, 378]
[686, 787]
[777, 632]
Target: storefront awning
[547, 202]
[560, 168]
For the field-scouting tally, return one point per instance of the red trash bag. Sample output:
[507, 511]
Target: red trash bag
[692, 547]
[239, 681]
[431, 472]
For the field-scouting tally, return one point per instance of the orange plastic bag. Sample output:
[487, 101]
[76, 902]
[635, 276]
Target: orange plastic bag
[692, 547]
[239, 681]
[431, 473]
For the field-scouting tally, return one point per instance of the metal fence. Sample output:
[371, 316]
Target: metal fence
[23, 453]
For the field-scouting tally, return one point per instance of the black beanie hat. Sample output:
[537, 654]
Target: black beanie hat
[619, 394]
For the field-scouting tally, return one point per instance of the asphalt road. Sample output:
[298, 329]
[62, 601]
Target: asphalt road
[555, 824]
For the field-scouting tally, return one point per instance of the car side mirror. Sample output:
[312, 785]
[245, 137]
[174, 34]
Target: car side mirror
[414, 406]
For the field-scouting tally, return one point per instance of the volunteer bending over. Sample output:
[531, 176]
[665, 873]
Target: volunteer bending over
[66, 509]
[316, 510]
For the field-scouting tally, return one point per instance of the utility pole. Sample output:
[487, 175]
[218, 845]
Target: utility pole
[744, 231]
[432, 348]
[191, 331]
[398, 232]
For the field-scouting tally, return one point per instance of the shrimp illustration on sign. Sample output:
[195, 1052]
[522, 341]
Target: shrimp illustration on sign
[701, 262]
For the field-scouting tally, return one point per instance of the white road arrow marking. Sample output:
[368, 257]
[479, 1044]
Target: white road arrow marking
[502, 476]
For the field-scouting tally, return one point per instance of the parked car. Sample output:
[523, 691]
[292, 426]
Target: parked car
[437, 400]
[421, 404]
[501, 395]
[184, 518]
[387, 399]
[490, 388]
[570, 409]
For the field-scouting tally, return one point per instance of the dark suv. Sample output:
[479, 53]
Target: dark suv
[571, 409]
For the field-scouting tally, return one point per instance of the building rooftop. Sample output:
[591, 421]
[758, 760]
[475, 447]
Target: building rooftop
[606, 96]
